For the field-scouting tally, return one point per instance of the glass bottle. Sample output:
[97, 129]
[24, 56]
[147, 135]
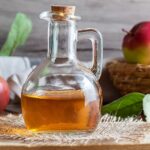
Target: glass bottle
[61, 94]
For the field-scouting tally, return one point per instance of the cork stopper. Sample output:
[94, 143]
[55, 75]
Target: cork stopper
[67, 10]
[61, 12]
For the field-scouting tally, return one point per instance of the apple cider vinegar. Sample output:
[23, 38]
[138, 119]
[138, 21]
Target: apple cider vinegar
[59, 110]
[61, 93]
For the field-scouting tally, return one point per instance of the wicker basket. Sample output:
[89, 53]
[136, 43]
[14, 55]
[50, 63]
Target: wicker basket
[129, 77]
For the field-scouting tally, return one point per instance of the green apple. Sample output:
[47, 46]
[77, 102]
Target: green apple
[136, 44]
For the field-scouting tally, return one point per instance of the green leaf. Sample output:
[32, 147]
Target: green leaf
[128, 105]
[19, 32]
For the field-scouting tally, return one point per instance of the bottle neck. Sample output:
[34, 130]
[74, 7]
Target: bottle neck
[62, 38]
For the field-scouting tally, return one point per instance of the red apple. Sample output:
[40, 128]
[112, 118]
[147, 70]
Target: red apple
[136, 44]
[4, 94]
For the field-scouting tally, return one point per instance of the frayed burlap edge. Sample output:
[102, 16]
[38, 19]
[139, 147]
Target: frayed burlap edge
[109, 129]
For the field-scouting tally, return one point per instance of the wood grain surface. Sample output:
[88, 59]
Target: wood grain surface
[92, 147]
[108, 16]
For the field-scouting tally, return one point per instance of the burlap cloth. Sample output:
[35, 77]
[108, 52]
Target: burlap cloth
[129, 77]
[109, 129]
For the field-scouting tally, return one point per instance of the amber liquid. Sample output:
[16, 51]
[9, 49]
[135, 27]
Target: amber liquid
[59, 111]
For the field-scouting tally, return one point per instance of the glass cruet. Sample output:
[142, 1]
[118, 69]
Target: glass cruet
[61, 94]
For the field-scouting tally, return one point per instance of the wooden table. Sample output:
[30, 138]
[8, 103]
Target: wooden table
[109, 135]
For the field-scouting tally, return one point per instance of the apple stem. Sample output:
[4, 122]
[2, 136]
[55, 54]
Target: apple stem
[124, 30]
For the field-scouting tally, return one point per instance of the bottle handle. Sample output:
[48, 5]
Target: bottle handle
[97, 49]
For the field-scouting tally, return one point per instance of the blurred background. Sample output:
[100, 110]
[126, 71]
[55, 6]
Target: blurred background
[108, 16]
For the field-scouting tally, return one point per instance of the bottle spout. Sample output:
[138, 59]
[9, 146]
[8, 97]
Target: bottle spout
[45, 15]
